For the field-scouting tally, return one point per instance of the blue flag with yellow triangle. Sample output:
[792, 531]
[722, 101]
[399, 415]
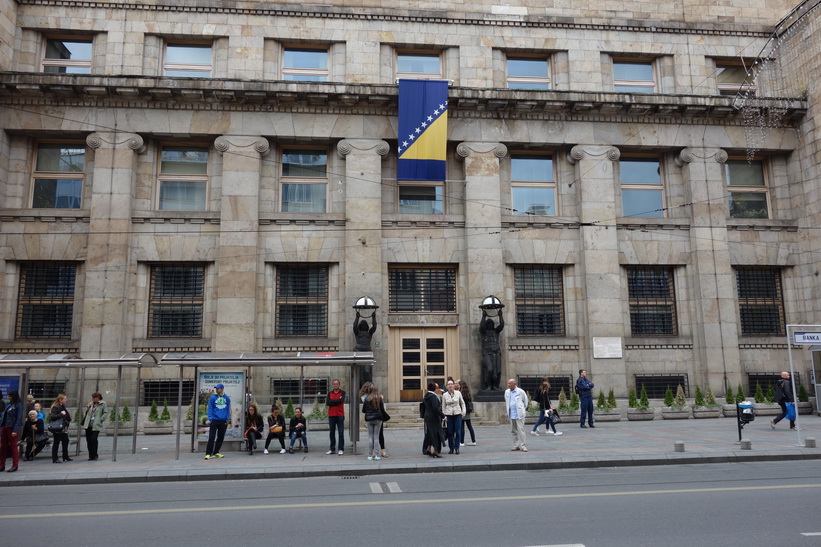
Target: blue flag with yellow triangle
[423, 129]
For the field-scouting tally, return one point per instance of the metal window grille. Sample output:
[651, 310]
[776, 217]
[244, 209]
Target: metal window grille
[652, 302]
[422, 289]
[767, 379]
[288, 388]
[539, 301]
[531, 385]
[302, 300]
[760, 301]
[176, 301]
[45, 304]
[656, 384]
[163, 391]
[46, 392]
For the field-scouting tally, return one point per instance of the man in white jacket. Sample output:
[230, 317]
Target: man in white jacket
[515, 405]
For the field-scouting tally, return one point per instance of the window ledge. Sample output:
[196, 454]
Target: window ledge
[762, 224]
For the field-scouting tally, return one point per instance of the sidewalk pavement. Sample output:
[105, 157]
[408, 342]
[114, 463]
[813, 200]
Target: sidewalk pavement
[610, 444]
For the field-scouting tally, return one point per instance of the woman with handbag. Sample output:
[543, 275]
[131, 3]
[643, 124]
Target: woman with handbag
[276, 429]
[34, 434]
[59, 420]
[253, 425]
[545, 410]
[373, 409]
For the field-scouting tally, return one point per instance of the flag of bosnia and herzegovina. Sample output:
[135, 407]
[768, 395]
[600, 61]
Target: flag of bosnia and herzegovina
[423, 129]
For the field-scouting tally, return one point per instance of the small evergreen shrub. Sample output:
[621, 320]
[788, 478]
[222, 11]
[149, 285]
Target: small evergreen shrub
[165, 416]
[803, 396]
[574, 402]
[729, 398]
[601, 402]
[739, 394]
[759, 393]
[632, 401]
[563, 401]
[611, 399]
[770, 396]
[125, 417]
[680, 400]
[153, 414]
[668, 397]
[289, 410]
[644, 401]
[710, 398]
[699, 399]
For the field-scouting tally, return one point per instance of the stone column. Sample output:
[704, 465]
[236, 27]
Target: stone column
[710, 274]
[601, 304]
[105, 311]
[484, 256]
[363, 242]
[237, 262]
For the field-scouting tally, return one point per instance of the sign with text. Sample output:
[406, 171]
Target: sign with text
[806, 337]
[234, 383]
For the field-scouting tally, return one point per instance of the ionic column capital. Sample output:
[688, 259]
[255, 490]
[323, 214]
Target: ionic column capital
[593, 151]
[362, 146]
[467, 149]
[689, 155]
[102, 139]
[224, 143]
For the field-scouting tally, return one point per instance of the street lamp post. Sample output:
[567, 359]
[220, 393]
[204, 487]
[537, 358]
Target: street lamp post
[364, 333]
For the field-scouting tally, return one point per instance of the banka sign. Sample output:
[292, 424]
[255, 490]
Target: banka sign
[807, 337]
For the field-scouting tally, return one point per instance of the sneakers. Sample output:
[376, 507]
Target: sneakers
[461, 444]
[306, 450]
[515, 448]
[341, 453]
[370, 457]
[772, 423]
[558, 433]
[472, 444]
[548, 432]
[218, 455]
[377, 458]
[265, 451]
[524, 449]
[207, 457]
[290, 451]
[534, 433]
[282, 451]
[329, 452]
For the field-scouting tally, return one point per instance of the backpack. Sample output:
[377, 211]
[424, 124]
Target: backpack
[422, 410]
[576, 388]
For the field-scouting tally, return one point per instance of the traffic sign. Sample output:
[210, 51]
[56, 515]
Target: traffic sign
[807, 337]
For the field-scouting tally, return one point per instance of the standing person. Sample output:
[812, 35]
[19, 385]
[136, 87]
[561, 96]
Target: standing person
[12, 424]
[58, 422]
[363, 392]
[276, 429]
[515, 405]
[453, 407]
[545, 410]
[433, 421]
[783, 395]
[219, 416]
[465, 390]
[33, 430]
[253, 428]
[372, 409]
[336, 418]
[297, 428]
[584, 389]
[93, 423]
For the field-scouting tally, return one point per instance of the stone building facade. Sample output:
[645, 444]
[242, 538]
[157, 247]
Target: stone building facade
[202, 176]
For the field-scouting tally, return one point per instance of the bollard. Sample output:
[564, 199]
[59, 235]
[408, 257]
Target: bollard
[679, 446]
[809, 442]
[746, 444]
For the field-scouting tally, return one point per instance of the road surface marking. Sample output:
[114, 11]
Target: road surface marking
[811, 533]
[394, 487]
[385, 488]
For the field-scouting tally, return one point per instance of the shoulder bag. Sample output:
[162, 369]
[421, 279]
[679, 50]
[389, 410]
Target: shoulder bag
[57, 425]
[554, 417]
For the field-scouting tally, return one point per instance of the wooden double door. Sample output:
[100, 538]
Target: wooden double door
[420, 355]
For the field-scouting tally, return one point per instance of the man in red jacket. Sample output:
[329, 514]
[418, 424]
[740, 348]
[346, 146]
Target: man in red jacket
[336, 418]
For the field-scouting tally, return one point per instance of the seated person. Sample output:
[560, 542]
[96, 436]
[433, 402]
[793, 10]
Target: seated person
[275, 420]
[32, 431]
[298, 428]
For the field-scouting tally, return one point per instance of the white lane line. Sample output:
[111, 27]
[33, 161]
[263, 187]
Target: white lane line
[394, 488]
[811, 533]
[376, 488]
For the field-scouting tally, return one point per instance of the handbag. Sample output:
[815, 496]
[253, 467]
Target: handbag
[385, 416]
[57, 425]
[554, 417]
[41, 438]
[790, 415]
[275, 429]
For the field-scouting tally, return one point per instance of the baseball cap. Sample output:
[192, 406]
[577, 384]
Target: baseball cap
[219, 386]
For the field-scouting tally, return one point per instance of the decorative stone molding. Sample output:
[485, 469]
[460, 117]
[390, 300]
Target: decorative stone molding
[689, 155]
[260, 145]
[466, 149]
[592, 151]
[131, 140]
[544, 347]
[346, 146]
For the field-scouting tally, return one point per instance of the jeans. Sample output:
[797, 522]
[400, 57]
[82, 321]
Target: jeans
[337, 424]
[586, 406]
[374, 427]
[454, 431]
[299, 435]
[466, 422]
[544, 418]
[216, 433]
[92, 443]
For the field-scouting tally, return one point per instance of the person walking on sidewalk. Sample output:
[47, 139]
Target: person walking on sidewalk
[219, 416]
[584, 389]
[93, 419]
[465, 390]
[453, 406]
[336, 418]
[545, 414]
[58, 422]
[276, 429]
[297, 428]
[515, 405]
[783, 395]
[12, 425]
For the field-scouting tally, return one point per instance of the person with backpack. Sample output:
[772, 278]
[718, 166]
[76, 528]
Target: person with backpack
[584, 389]
[783, 395]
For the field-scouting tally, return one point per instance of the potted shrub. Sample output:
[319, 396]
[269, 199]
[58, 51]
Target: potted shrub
[125, 422]
[158, 424]
[728, 408]
[764, 405]
[606, 410]
[569, 410]
[639, 409]
[188, 422]
[675, 408]
[705, 406]
[318, 418]
[532, 411]
[804, 405]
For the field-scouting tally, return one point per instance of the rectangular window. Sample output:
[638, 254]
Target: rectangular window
[656, 384]
[422, 198]
[539, 301]
[45, 303]
[532, 184]
[67, 55]
[45, 391]
[167, 391]
[732, 79]
[183, 178]
[187, 60]
[288, 388]
[58, 176]
[633, 76]
[306, 65]
[641, 187]
[304, 180]
[528, 73]
[176, 299]
[760, 301]
[302, 300]
[418, 66]
[422, 289]
[652, 298]
[748, 195]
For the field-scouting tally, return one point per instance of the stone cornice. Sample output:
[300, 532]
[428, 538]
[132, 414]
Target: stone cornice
[147, 92]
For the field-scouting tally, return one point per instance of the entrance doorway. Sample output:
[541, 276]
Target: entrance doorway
[422, 355]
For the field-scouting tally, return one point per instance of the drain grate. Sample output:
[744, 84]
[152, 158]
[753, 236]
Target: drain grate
[351, 477]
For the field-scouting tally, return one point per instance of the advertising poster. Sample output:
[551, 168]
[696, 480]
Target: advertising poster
[234, 383]
[7, 383]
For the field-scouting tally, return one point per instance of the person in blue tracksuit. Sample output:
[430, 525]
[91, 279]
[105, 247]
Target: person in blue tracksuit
[219, 416]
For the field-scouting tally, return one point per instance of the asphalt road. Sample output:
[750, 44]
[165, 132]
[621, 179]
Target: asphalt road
[746, 504]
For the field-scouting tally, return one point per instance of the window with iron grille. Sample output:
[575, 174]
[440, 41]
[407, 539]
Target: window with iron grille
[557, 383]
[288, 388]
[422, 289]
[539, 301]
[657, 384]
[45, 304]
[46, 392]
[176, 301]
[652, 299]
[760, 301]
[302, 300]
[167, 391]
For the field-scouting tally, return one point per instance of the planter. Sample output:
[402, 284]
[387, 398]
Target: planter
[804, 408]
[188, 426]
[317, 424]
[124, 429]
[157, 428]
[706, 412]
[640, 414]
[675, 413]
[571, 416]
[728, 410]
[764, 409]
[612, 415]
